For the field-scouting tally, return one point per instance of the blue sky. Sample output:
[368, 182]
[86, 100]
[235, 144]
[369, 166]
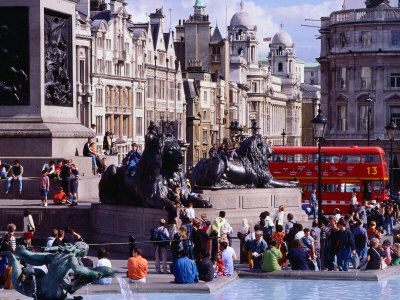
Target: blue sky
[267, 15]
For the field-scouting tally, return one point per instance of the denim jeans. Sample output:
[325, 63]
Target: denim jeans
[19, 183]
[315, 210]
[3, 172]
[343, 258]
[389, 223]
[362, 252]
[93, 158]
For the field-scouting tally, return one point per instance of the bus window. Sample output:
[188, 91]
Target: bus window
[330, 159]
[278, 157]
[371, 159]
[297, 158]
[312, 186]
[330, 187]
[378, 187]
[350, 188]
[351, 159]
[313, 158]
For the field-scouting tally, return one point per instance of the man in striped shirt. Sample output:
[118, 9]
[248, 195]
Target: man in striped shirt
[8, 239]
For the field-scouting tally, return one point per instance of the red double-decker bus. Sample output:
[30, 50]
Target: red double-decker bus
[345, 170]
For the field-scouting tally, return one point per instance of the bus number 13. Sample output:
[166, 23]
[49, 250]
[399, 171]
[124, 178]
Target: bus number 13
[373, 170]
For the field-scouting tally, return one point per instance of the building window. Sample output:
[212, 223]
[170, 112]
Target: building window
[109, 67]
[99, 125]
[254, 87]
[240, 51]
[253, 105]
[139, 101]
[343, 78]
[82, 71]
[395, 38]
[171, 90]
[99, 97]
[342, 39]
[99, 66]
[341, 118]
[395, 77]
[205, 115]
[99, 42]
[366, 77]
[150, 88]
[179, 91]
[214, 50]
[395, 114]
[364, 117]
[125, 126]
[205, 97]
[366, 38]
[139, 127]
[205, 136]
[312, 82]
[280, 67]
[149, 117]
[127, 70]
[312, 73]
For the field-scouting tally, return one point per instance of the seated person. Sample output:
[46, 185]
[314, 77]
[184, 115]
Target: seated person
[132, 160]
[103, 262]
[114, 149]
[57, 170]
[271, 258]
[185, 270]
[137, 267]
[205, 266]
[257, 248]
[375, 256]
[297, 256]
[49, 168]
[60, 197]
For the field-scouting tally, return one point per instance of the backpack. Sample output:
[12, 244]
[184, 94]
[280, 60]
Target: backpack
[159, 236]
[359, 241]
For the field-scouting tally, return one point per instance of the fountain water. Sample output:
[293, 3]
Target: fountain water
[126, 291]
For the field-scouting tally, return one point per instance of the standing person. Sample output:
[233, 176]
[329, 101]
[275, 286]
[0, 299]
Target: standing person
[106, 143]
[258, 247]
[10, 238]
[346, 246]
[316, 235]
[279, 215]
[243, 231]
[74, 183]
[132, 160]
[4, 169]
[172, 209]
[362, 212]
[137, 267]
[29, 227]
[361, 240]
[65, 177]
[103, 261]
[44, 187]
[189, 212]
[297, 256]
[16, 175]
[314, 202]
[337, 215]
[353, 203]
[200, 239]
[332, 241]
[289, 223]
[50, 168]
[308, 243]
[279, 236]
[389, 218]
[186, 222]
[161, 248]
[216, 226]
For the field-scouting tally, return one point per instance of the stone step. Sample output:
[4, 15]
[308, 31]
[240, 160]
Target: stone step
[33, 165]
[87, 188]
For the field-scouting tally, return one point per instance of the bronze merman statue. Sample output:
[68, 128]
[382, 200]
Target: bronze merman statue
[57, 283]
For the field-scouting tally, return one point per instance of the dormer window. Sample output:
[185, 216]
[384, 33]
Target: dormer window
[280, 67]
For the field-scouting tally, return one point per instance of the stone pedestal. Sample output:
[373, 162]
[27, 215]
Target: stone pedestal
[38, 109]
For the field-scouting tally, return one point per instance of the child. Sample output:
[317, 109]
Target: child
[57, 170]
[220, 264]
[60, 197]
[204, 221]
[44, 186]
[189, 212]
[337, 215]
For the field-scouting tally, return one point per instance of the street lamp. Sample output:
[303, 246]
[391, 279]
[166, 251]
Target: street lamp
[391, 129]
[283, 134]
[369, 100]
[319, 126]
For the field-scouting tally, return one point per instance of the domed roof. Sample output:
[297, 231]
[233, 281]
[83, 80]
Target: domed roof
[242, 18]
[284, 38]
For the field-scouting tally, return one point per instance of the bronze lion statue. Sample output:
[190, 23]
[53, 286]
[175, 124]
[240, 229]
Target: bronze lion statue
[249, 170]
[160, 171]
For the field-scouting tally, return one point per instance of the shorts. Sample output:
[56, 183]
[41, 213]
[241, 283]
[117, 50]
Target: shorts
[28, 235]
[43, 192]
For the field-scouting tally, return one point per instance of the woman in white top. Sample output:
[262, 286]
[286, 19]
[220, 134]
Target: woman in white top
[279, 215]
[29, 227]
[103, 262]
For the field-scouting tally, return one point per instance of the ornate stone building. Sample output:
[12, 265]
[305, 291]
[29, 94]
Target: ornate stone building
[267, 93]
[164, 95]
[118, 74]
[359, 60]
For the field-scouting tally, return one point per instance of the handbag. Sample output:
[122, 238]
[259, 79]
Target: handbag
[30, 228]
[355, 260]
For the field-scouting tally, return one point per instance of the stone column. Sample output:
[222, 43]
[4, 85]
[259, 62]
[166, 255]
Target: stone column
[121, 125]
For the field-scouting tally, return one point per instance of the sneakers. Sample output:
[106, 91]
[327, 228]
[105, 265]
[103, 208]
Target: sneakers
[74, 204]
[45, 204]
[42, 203]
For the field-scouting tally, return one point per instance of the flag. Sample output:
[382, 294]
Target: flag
[267, 39]
[319, 37]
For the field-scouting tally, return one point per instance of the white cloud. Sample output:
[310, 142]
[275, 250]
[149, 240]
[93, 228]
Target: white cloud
[266, 18]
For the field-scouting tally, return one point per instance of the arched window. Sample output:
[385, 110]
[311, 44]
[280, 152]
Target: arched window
[214, 50]
[240, 51]
[280, 67]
